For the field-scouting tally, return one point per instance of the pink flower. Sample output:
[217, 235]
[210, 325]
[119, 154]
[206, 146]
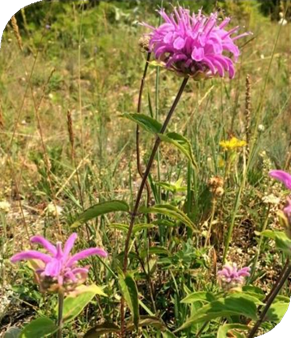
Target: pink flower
[232, 276]
[58, 268]
[282, 176]
[194, 44]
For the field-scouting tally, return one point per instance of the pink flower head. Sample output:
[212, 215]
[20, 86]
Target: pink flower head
[282, 176]
[194, 44]
[58, 268]
[231, 276]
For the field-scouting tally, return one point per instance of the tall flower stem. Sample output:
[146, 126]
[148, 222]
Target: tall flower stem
[142, 185]
[280, 283]
[147, 171]
[140, 171]
[60, 314]
[137, 134]
[285, 268]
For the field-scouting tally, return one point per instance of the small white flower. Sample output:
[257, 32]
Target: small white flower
[271, 199]
[261, 128]
[5, 206]
[282, 22]
[54, 210]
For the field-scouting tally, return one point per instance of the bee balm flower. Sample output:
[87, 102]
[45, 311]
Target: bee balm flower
[282, 176]
[58, 269]
[195, 45]
[230, 276]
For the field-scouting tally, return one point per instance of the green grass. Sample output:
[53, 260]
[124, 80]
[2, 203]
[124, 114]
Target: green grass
[89, 63]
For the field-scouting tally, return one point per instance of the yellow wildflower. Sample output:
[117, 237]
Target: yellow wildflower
[233, 143]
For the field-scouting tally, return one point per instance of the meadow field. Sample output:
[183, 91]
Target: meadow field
[70, 76]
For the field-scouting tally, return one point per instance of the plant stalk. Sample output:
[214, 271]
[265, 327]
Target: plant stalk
[140, 191]
[137, 134]
[60, 313]
[285, 268]
[147, 171]
[140, 171]
[280, 283]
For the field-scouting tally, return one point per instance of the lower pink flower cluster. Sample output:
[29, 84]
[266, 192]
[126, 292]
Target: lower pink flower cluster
[58, 268]
[231, 276]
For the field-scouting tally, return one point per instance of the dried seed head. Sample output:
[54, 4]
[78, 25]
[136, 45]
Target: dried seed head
[144, 43]
[16, 32]
[215, 182]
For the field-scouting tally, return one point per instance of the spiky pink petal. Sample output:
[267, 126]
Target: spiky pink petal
[282, 176]
[45, 243]
[30, 254]
[84, 254]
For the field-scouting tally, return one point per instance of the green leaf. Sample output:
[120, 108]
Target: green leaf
[223, 307]
[119, 226]
[225, 330]
[12, 332]
[155, 250]
[146, 122]
[276, 312]
[255, 298]
[40, 327]
[170, 211]
[140, 227]
[130, 293]
[146, 321]
[283, 299]
[199, 296]
[168, 334]
[100, 209]
[79, 299]
[282, 241]
[181, 143]
[100, 329]
[253, 289]
[173, 186]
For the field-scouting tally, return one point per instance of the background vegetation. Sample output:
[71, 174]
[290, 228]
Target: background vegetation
[84, 58]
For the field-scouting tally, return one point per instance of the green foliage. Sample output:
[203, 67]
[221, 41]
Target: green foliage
[172, 212]
[98, 210]
[181, 143]
[101, 329]
[223, 307]
[146, 122]
[187, 259]
[198, 296]
[75, 304]
[12, 332]
[129, 290]
[282, 241]
[40, 327]
[276, 312]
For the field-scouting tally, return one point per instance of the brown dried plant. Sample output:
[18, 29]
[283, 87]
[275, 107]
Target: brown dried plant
[16, 32]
